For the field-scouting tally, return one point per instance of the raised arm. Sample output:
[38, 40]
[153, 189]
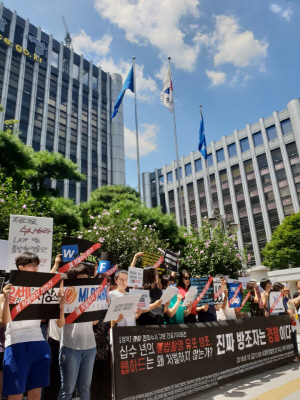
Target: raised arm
[140, 254]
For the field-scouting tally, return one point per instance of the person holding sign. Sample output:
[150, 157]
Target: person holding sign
[27, 355]
[184, 284]
[176, 313]
[121, 280]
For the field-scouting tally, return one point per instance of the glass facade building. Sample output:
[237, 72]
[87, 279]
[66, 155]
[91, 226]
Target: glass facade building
[63, 103]
[253, 177]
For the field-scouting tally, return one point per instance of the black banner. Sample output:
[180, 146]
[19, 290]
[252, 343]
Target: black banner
[171, 260]
[173, 361]
[25, 284]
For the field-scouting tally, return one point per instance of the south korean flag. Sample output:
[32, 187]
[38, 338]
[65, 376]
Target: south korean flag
[167, 92]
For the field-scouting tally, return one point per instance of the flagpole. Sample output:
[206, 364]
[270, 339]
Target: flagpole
[209, 205]
[136, 131]
[177, 158]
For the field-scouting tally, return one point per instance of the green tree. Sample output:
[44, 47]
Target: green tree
[283, 250]
[212, 251]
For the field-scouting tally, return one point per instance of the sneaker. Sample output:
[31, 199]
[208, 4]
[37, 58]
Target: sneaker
[295, 360]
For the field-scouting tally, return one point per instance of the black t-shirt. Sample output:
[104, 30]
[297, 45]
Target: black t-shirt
[295, 295]
[209, 315]
[155, 316]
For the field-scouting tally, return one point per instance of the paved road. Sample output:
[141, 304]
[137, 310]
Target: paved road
[274, 384]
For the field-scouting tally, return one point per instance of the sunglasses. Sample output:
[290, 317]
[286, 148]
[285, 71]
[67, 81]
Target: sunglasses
[186, 277]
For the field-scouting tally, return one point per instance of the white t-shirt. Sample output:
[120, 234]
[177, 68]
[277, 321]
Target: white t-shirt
[54, 331]
[23, 331]
[228, 312]
[126, 321]
[79, 336]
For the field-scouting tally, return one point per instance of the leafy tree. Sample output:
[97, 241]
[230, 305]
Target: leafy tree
[212, 251]
[283, 250]
[66, 214]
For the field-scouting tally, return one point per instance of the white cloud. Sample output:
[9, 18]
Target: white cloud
[287, 13]
[147, 141]
[229, 45]
[157, 23]
[217, 78]
[84, 44]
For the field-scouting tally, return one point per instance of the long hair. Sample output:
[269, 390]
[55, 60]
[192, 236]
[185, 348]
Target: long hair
[149, 278]
[181, 280]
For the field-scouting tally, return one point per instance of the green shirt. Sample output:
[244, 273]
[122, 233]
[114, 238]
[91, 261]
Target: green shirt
[178, 318]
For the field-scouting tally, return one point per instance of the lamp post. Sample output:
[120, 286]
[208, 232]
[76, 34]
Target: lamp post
[216, 219]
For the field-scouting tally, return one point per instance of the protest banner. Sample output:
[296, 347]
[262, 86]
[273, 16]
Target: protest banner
[234, 295]
[125, 305]
[171, 260]
[5, 250]
[205, 290]
[174, 361]
[34, 295]
[135, 277]
[155, 259]
[85, 299]
[168, 294]
[30, 234]
[246, 303]
[276, 305]
[218, 291]
[78, 251]
[144, 300]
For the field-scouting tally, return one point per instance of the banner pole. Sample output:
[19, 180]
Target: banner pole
[136, 131]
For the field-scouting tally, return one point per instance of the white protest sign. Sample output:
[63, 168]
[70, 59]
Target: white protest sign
[5, 250]
[168, 294]
[125, 305]
[190, 296]
[276, 308]
[144, 301]
[244, 280]
[32, 234]
[135, 277]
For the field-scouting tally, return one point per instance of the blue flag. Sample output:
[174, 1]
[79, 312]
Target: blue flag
[202, 140]
[127, 85]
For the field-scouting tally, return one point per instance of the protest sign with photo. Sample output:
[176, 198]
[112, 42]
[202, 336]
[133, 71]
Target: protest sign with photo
[155, 259]
[78, 251]
[107, 264]
[34, 295]
[125, 305]
[174, 361]
[234, 295]
[85, 299]
[144, 301]
[5, 251]
[171, 260]
[205, 290]
[276, 305]
[30, 234]
[135, 277]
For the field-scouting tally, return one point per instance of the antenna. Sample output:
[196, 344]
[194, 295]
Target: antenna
[68, 39]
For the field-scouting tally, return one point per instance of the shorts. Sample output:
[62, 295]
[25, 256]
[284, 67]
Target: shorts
[25, 367]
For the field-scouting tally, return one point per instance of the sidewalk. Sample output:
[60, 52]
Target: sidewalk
[273, 384]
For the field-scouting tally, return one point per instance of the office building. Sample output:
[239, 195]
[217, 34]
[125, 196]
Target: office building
[63, 103]
[254, 178]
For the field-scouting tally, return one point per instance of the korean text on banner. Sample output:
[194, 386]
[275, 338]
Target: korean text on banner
[32, 234]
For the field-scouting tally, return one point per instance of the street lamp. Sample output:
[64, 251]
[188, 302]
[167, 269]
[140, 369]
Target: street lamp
[216, 218]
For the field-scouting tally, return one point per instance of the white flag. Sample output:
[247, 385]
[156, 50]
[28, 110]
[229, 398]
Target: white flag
[167, 92]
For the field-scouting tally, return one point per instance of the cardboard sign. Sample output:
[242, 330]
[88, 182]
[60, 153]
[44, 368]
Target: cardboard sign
[246, 302]
[144, 301]
[31, 234]
[168, 294]
[34, 295]
[190, 296]
[135, 277]
[171, 260]
[5, 251]
[73, 248]
[205, 290]
[276, 305]
[152, 259]
[234, 295]
[125, 305]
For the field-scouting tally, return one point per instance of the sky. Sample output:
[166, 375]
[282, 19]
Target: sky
[239, 59]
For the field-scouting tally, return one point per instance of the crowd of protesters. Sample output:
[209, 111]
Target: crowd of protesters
[75, 360]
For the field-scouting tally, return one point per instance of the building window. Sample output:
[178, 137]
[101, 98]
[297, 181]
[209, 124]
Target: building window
[257, 139]
[232, 150]
[210, 160]
[271, 132]
[180, 173]
[220, 155]
[161, 180]
[276, 155]
[198, 165]
[54, 59]
[262, 161]
[235, 170]
[170, 177]
[248, 166]
[223, 176]
[153, 185]
[292, 150]
[286, 126]
[188, 169]
[244, 144]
